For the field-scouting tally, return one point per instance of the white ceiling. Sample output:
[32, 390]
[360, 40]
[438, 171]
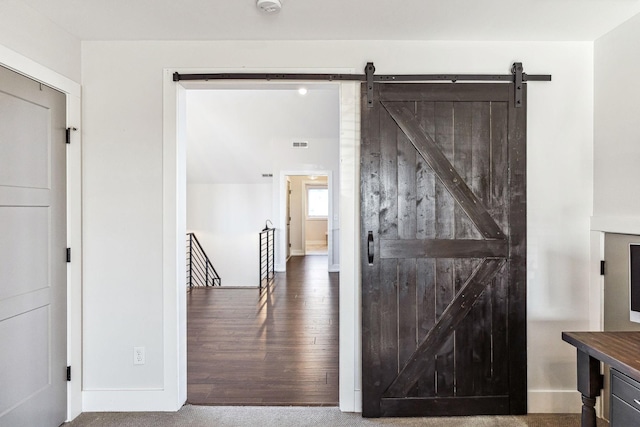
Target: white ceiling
[514, 20]
[233, 136]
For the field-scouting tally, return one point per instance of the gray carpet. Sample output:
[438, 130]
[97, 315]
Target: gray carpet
[270, 416]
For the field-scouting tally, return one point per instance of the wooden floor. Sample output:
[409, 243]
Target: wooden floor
[275, 347]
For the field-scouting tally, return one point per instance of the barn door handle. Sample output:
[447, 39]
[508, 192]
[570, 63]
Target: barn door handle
[370, 247]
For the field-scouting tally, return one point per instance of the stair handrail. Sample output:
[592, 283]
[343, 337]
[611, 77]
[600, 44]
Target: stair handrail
[266, 240]
[200, 270]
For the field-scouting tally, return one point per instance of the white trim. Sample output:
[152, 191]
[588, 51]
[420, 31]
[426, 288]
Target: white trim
[33, 70]
[74, 268]
[350, 303]
[173, 224]
[28, 67]
[174, 329]
[616, 224]
[596, 282]
[128, 401]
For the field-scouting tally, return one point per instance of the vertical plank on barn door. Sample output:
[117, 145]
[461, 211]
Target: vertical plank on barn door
[463, 229]
[517, 294]
[425, 229]
[445, 223]
[389, 230]
[407, 225]
[499, 210]
[370, 223]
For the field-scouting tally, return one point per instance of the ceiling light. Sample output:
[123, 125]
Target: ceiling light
[302, 91]
[269, 6]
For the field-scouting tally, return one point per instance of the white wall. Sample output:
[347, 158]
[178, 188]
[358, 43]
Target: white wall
[123, 170]
[315, 231]
[616, 136]
[25, 30]
[227, 218]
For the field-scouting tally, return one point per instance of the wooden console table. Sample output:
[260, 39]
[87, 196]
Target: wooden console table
[620, 350]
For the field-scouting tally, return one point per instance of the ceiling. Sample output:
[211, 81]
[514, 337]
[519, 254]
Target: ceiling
[483, 20]
[235, 135]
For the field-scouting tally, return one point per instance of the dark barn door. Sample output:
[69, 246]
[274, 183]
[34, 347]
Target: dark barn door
[443, 205]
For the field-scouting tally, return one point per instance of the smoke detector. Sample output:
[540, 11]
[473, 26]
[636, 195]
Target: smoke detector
[269, 6]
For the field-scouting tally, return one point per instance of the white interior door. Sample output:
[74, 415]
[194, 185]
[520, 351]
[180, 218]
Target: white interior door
[32, 253]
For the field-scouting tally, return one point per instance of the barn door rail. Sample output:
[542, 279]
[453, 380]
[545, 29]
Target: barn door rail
[200, 271]
[517, 76]
[267, 255]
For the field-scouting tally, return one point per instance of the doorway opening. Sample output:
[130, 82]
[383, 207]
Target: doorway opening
[241, 144]
[309, 216]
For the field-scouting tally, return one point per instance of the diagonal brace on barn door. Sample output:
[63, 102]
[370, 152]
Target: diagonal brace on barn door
[436, 337]
[427, 148]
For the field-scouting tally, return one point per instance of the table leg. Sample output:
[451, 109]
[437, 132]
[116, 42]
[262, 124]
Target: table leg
[589, 384]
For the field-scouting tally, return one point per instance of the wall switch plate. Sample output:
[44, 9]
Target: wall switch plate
[138, 355]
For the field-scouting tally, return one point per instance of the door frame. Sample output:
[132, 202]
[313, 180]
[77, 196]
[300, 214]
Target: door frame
[174, 225]
[35, 71]
[281, 266]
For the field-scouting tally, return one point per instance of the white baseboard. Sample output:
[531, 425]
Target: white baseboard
[334, 268]
[297, 252]
[554, 402]
[358, 402]
[128, 401]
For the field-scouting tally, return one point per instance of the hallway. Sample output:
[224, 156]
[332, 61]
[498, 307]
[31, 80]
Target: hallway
[272, 347]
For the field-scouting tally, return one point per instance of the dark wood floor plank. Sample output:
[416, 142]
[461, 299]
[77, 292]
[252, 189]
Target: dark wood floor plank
[283, 341]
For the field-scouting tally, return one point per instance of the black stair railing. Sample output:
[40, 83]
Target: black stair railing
[267, 256]
[200, 271]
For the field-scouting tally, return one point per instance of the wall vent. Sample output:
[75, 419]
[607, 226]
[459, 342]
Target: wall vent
[267, 175]
[300, 144]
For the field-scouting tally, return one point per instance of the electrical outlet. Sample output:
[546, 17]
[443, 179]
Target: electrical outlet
[138, 355]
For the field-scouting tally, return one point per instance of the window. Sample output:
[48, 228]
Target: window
[317, 202]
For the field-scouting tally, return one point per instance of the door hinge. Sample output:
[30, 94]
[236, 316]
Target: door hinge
[68, 254]
[602, 268]
[68, 373]
[69, 134]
